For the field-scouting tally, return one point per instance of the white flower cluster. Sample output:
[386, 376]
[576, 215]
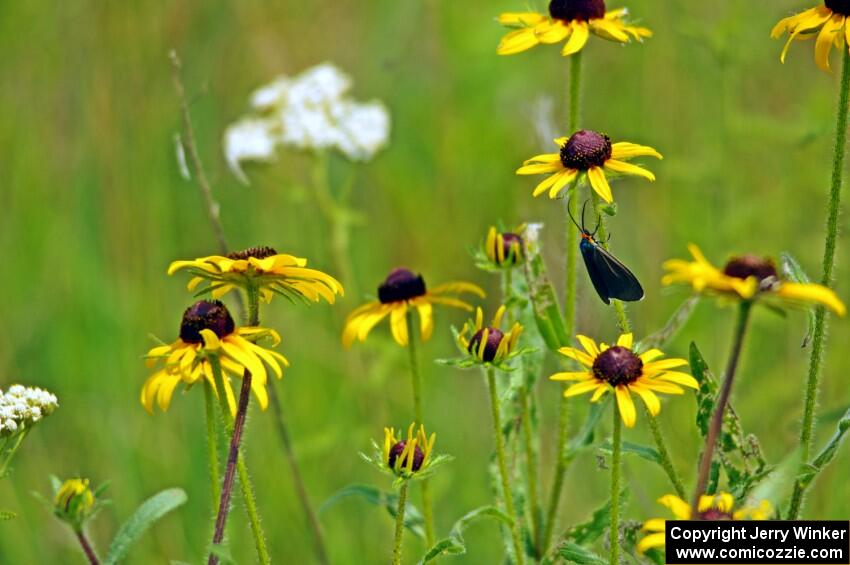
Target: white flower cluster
[310, 112]
[22, 406]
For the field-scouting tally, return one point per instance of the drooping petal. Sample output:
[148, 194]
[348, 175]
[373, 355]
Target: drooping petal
[626, 406]
[597, 179]
[578, 38]
[624, 168]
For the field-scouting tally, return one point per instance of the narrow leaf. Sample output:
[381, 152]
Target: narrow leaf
[575, 553]
[643, 451]
[413, 519]
[794, 272]
[143, 518]
[454, 544]
[827, 454]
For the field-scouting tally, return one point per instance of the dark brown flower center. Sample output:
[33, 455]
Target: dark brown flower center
[205, 315]
[396, 451]
[840, 6]
[577, 9]
[714, 514]
[618, 366]
[494, 338]
[511, 246]
[586, 149]
[748, 266]
[255, 252]
[400, 285]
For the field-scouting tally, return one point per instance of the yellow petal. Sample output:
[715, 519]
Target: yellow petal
[583, 387]
[628, 169]
[626, 340]
[517, 41]
[650, 541]
[680, 509]
[426, 320]
[577, 39]
[649, 398]
[600, 184]
[571, 376]
[812, 293]
[398, 324]
[589, 345]
[626, 406]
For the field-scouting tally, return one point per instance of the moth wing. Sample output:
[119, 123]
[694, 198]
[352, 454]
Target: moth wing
[621, 283]
[598, 277]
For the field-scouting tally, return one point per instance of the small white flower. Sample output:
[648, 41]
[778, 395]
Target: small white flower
[271, 94]
[321, 84]
[249, 139]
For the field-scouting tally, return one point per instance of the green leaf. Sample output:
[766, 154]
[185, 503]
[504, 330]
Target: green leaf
[575, 553]
[454, 544]
[794, 272]
[643, 451]
[143, 518]
[413, 519]
[588, 532]
[827, 454]
[7, 515]
[547, 313]
[223, 554]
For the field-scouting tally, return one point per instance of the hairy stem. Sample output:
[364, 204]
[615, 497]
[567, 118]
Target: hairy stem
[247, 488]
[616, 447]
[531, 470]
[416, 382]
[663, 452]
[619, 307]
[503, 466]
[399, 523]
[744, 310]
[819, 337]
[230, 471]
[91, 555]
[212, 442]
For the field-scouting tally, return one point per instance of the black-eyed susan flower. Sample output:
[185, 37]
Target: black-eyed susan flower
[487, 344]
[587, 154]
[747, 277]
[827, 22]
[208, 335]
[570, 21]
[401, 291]
[406, 456]
[621, 370]
[504, 249]
[718, 507]
[74, 502]
[261, 269]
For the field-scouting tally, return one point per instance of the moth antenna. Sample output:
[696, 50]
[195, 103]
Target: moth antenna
[571, 215]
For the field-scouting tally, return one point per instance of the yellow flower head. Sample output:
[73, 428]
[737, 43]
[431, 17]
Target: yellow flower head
[504, 249]
[827, 22]
[489, 344]
[208, 334]
[263, 269]
[619, 369]
[587, 153]
[570, 21]
[74, 501]
[406, 457]
[747, 277]
[718, 507]
[401, 291]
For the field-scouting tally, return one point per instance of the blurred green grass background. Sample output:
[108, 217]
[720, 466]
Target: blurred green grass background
[93, 208]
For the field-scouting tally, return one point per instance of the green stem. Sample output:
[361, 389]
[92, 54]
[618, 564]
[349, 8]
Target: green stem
[531, 469]
[616, 447]
[714, 429]
[88, 549]
[212, 443]
[575, 91]
[416, 381]
[399, 523]
[248, 498]
[619, 307]
[9, 454]
[819, 337]
[283, 433]
[663, 452]
[503, 466]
